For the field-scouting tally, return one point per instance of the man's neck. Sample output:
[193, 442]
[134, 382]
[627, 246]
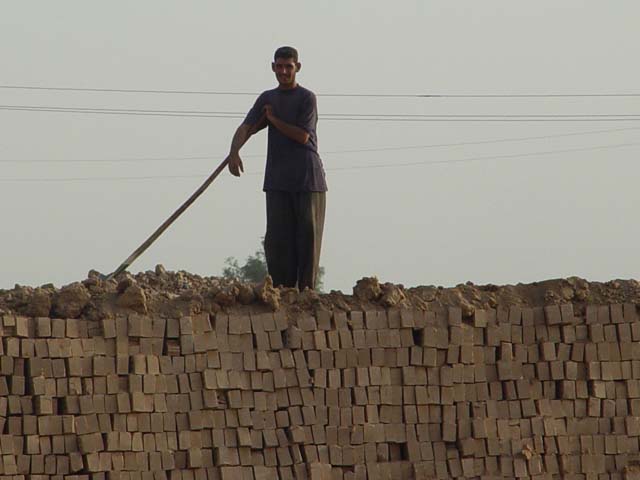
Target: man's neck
[290, 86]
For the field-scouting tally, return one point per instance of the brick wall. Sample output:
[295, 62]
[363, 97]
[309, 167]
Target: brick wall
[542, 393]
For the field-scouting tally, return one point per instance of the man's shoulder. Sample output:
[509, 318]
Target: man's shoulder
[306, 92]
[268, 93]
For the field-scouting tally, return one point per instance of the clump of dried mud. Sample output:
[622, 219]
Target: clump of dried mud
[172, 294]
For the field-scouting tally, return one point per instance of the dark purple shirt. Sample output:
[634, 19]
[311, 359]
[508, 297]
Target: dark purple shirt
[291, 166]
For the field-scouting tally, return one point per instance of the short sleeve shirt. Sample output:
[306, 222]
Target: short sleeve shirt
[291, 166]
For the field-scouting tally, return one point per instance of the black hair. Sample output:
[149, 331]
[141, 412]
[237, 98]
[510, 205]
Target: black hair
[286, 52]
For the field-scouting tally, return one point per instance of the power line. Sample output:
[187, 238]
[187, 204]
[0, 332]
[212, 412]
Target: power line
[362, 167]
[330, 152]
[370, 95]
[339, 114]
[345, 116]
[491, 157]
[483, 142]
[115, 111]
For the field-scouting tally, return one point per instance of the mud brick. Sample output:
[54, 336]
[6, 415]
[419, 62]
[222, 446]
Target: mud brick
[440, 337]
[568, 334]
[467, 354]
[571, 370]
[239, 324]
[630, 312]
[9, 321]
[624, 333]
[262, 341]
[455, 336]
[604, 352]
[323, 319]
[402, 357]
[281, 321]
[557, 370]
[172, 328]
[406, 338]
[528, 335]
[591, 314]
[22, 326]
[453, 354]
[264, 322]
[566, 313]
[371, 320]
[548, 351]
[563, 351]
[616, 313]
[633, 388]
[307, 323]
[590, 352]
[318, 471]
[505, 370]
[359, 339]
[320, 340]
[159, 327]
[454, 316]
[401, 318]
[90, 443]
[186, 344]
[632, 426]
[139, 364]
[541, 332]
[43, 326]
[201, 323]
[141, 402]
[567, 389]
[610, 333]
[389, 338]
[201, 342]
[611, 371]
[383, 338]
[603, 314]
[58, 328]
[305, 340]
[504, 332]
[516, 334]
[239, 343]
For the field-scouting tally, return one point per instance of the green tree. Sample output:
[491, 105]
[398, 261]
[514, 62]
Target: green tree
[254, 269]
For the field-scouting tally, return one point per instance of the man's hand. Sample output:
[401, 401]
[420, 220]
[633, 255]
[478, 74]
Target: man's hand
[291, 131]
[235, 164]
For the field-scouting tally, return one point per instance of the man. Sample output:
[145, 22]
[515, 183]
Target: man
[294, 181]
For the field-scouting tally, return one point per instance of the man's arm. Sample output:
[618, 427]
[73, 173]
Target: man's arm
[243, 133]
[296, 134]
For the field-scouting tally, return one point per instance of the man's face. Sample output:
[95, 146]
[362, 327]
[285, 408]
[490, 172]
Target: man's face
[285, 70]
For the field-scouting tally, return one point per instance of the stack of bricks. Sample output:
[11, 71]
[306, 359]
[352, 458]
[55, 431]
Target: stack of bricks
[514, 392]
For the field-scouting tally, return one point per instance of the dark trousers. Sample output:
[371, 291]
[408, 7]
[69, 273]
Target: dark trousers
[295, 221]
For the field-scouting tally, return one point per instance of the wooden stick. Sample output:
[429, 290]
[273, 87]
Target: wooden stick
[147, 243]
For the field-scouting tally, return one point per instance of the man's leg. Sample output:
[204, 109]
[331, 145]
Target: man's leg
[279, 241]
[310, 209]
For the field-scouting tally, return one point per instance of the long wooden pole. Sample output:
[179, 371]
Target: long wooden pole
[147, 243]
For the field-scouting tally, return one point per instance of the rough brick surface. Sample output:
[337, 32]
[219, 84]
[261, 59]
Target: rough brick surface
[377, 394]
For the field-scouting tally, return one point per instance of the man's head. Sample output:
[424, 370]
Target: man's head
[285, 65]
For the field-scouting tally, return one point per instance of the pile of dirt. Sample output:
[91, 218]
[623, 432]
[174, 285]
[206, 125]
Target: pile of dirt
[172, 294]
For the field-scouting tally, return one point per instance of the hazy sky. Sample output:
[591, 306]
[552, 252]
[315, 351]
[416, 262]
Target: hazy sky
[522, 217]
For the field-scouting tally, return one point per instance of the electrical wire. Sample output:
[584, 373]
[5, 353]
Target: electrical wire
[489, 157]
[369, 95]
[328, 152]
[346, 116]
[361, 167]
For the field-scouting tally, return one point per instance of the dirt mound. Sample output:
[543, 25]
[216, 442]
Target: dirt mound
[172, 294]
